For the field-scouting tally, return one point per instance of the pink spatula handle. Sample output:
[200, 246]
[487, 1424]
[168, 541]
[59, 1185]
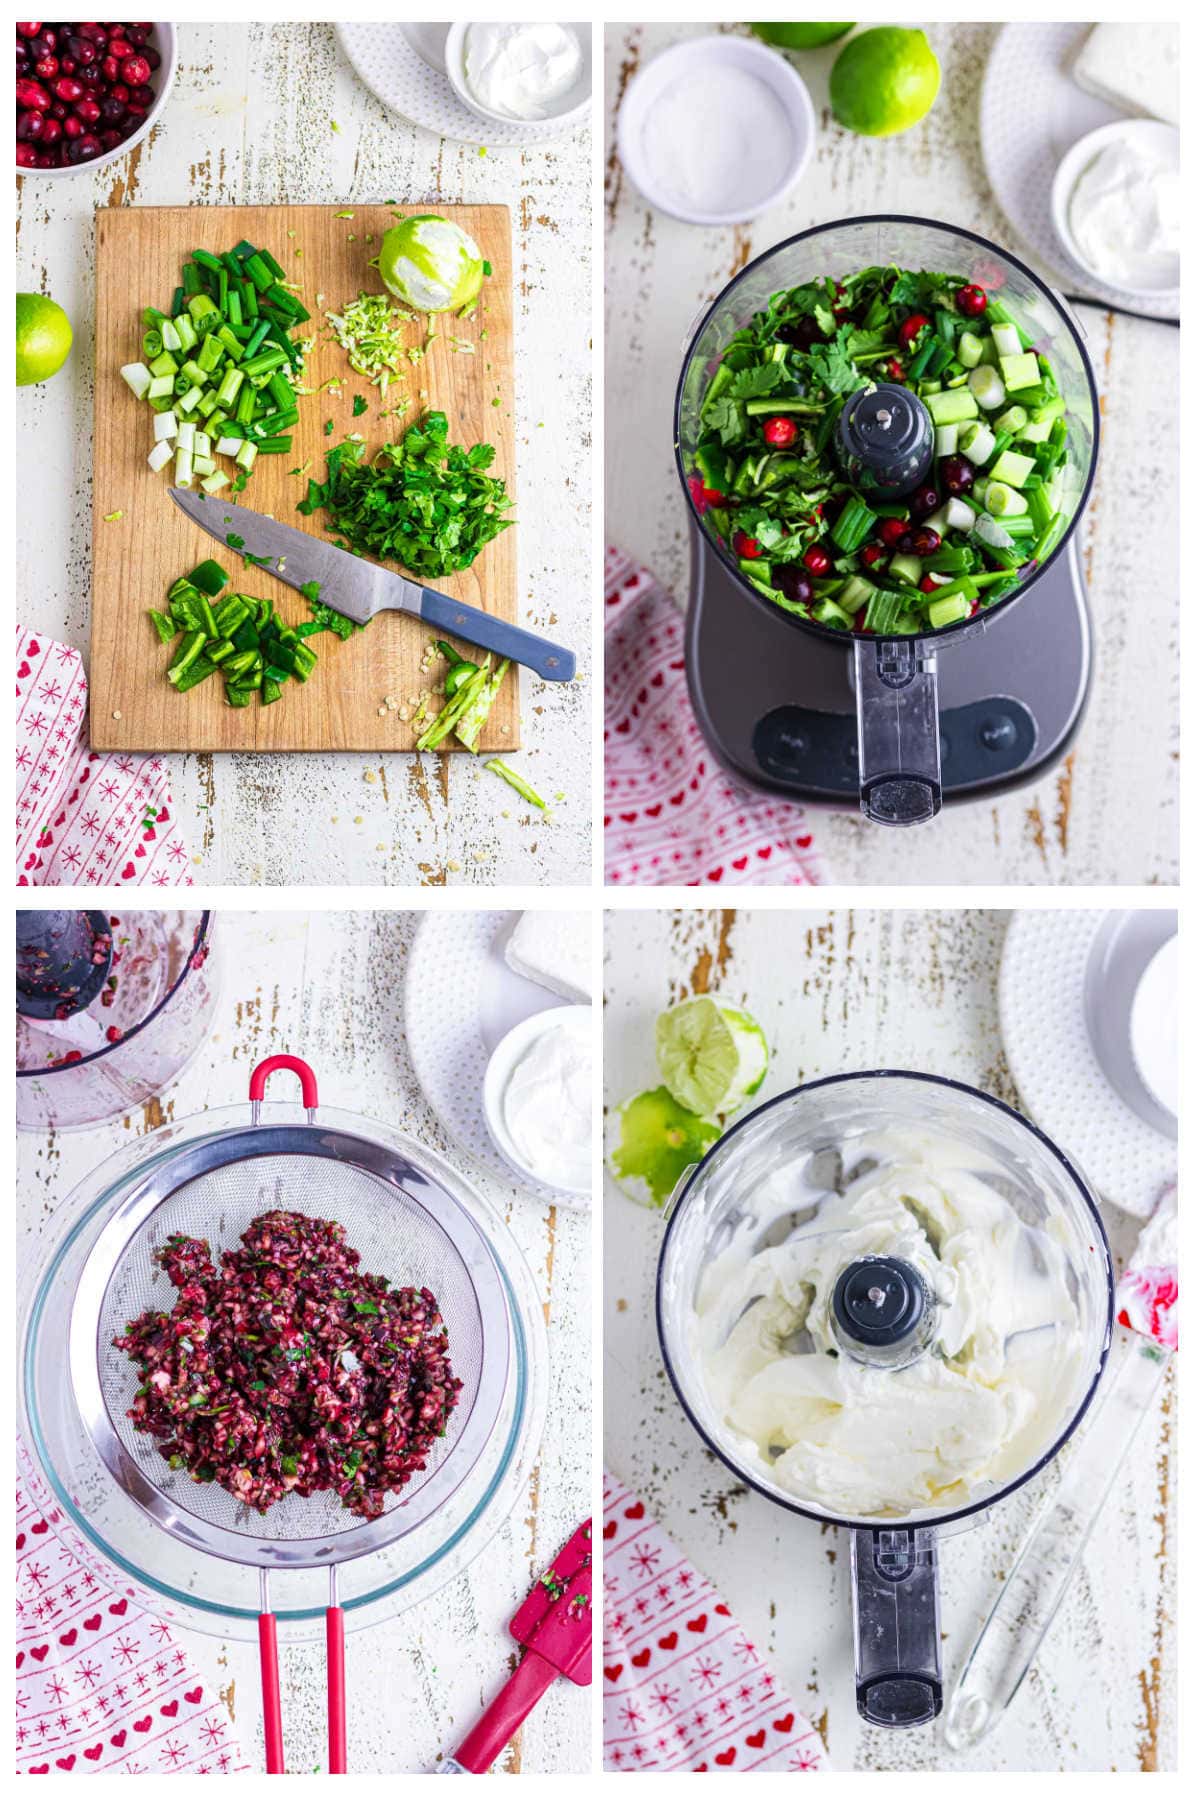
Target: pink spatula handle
[335, 1675]
[506, 1714]
[268, 1656]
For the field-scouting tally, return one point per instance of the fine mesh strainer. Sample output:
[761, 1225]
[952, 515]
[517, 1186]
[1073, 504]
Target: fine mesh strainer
[405, 1226]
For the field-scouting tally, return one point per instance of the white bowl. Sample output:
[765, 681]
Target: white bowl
[501, 1063]
[648, 87]
[162, 79]
[570, 110]
[1077, 159]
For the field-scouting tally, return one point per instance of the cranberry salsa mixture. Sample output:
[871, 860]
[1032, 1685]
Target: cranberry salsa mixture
[766, 475]
[286, 1370]
[82, 89]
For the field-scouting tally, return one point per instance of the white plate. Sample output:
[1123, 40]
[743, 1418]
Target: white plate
[1030, 113]
[402, 66]
[1066, 984]
[460, 999]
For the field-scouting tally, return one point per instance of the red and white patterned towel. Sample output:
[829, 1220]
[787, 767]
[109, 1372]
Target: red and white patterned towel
[102, 1687]
[672, 816]
[684, 1688]
[84, 818]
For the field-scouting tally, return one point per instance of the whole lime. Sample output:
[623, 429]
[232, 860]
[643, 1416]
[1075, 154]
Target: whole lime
[800, 37]
[43, 338]
[884, 81]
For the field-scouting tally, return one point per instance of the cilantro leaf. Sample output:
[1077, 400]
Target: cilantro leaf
[753, 383]
[360, 406]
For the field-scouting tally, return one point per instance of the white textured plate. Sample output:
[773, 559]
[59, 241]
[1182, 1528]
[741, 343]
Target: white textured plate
[395, 63]
[1030, 113]
[460, 999]
[1044, 980]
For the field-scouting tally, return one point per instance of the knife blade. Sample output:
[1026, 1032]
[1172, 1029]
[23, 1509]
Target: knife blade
[359, 589]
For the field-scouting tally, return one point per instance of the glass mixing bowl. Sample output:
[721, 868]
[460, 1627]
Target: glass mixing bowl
[819, 1134]
[899, 751]
[100, 1517]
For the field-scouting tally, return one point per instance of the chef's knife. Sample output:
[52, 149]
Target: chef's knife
[360, 589]
[554, 1624]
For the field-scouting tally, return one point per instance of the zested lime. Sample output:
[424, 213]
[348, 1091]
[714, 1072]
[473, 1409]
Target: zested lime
[652, 1142]
[712, 1056]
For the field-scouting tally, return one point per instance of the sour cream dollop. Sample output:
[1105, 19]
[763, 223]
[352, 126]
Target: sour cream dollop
[1124, 214]
[547, 1103]
[521, 71]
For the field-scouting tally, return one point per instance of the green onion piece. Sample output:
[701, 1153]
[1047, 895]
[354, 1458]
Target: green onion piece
[515, 781]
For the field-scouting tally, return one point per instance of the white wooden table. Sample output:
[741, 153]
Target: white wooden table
[329, 987]
[1109, 813]
[249, 123]
[833, 992]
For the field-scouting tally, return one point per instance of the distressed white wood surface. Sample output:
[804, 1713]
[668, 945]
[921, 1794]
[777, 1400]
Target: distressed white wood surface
[836, 991]
[1109, 813]
[249, 122]
[329, 987]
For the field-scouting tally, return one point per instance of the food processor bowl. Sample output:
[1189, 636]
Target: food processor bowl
[188, 1551]
[771, 1174]
[899, 748]
[135, 1038]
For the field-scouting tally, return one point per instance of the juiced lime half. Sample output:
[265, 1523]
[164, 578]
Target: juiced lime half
[800, 37]
[884, 81]
[43, 338]
[712, 1056]
[652, 1142]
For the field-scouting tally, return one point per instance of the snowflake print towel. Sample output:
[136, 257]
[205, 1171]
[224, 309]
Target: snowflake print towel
[84, 818]
[102, 1687]
[673, 817]
[684, 1688]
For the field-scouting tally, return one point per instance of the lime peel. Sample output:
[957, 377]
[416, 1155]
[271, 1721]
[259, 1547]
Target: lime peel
[653, 1144]
[711, 1056]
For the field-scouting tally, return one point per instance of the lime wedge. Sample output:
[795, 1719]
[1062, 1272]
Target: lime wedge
[711, 1056]
[653, 1142]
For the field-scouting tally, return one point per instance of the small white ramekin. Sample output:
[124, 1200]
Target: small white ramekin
[646, 90]
[1072, 166]
[501, 1063]
[570, 111]
[164, 40]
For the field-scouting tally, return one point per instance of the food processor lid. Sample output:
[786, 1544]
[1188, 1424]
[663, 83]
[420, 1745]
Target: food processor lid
[900, 1315]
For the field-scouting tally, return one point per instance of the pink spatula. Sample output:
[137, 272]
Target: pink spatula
[555, 1626]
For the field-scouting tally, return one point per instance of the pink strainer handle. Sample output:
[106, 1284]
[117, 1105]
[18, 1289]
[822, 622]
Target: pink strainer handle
[266, 1068]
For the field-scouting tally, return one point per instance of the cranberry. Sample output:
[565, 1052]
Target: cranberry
[114, 1034]
[68, 64]
[68, 89]
[957, 474]
[779, 431]
[870, 554]
[135, 70]
[88, 111]
[137, 34]
[46, 68]
[892, 530]
[31, 94]
[73, 127]
[928, 585]
[803, 334]
[142, 96]
[971, 301]
[95, 32]
[44, 44]
[817, 561]
[31, 127]
[746, 546]
[47, 159]
[119, 48]
[109, 68]
[921, 542]
[112, 110]
[51, 129]
[29, 30]
[84, 52]
[895, 370]
[793, 584]
[110, 139]
[924, 502]
[912, 325]
[58, 110]
[73, 1056]
[151, 55]
[27, 156]
[119, 92]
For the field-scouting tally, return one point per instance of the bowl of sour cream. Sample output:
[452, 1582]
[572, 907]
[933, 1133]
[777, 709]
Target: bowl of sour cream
[518, 73]
[1115, 202]
[537, 1098]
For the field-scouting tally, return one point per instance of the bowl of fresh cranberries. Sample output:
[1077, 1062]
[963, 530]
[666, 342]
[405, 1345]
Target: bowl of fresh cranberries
[87, 92]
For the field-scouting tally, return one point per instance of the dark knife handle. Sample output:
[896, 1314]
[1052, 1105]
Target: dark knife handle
[549, 660]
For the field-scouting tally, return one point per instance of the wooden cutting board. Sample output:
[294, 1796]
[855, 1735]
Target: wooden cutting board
[139, 254]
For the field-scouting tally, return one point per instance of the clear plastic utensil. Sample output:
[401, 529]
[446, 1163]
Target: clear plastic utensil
[1057, 1540]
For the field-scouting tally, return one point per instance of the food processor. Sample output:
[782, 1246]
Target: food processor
[192, 1553]
[814, 713]
[824, 1137]
[111, 1008]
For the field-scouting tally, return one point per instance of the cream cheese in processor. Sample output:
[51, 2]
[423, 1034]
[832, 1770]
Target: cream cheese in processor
[521, 71]
[548, 1103]
[986, 1399]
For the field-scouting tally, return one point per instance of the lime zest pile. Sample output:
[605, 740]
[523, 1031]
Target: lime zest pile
[369, 331]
